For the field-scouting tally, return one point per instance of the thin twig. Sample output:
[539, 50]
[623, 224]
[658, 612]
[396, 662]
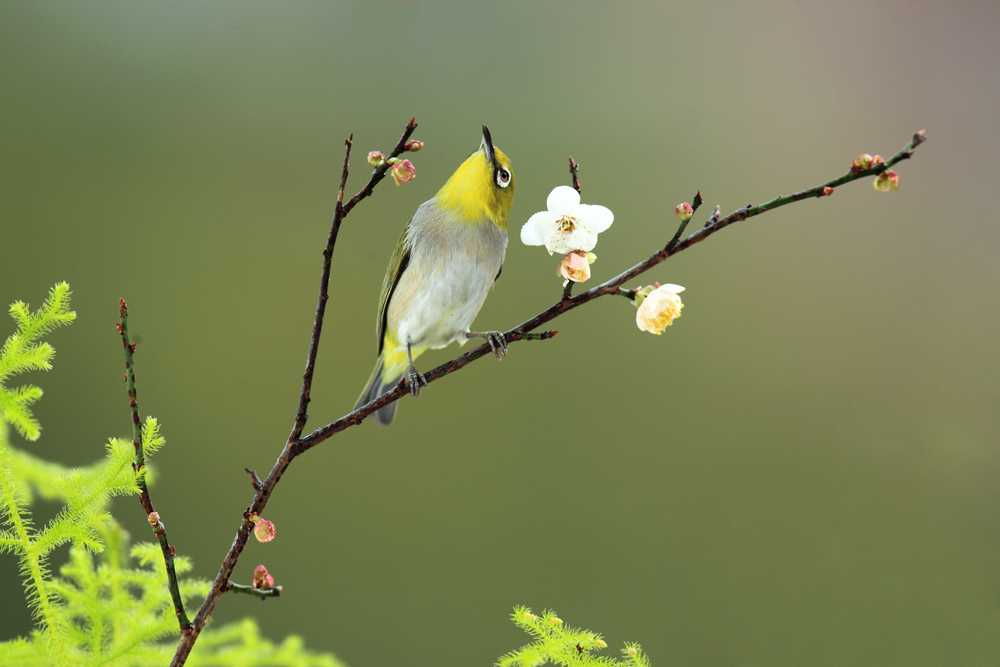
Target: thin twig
[684, 223]
[254, 479]
[379, 173]
[139, 466]
[574, 170]
[340, 212]
[817, 191]
[301, 416]
[261, 593]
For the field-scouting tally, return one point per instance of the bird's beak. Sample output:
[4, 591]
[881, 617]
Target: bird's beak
[487, 145]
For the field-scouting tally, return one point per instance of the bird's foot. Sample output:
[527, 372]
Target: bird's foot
[414, 379]
[498, 344]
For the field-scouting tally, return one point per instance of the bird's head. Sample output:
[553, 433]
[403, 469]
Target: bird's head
[482, 188]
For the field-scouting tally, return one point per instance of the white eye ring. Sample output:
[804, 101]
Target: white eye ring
[503, 177]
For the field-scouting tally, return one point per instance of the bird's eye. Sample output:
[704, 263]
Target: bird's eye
[503, 177]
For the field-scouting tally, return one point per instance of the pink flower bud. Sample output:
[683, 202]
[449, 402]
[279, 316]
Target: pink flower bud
[684, 211]
[264, 530]
[826, 192]
[153, 518]
[375, 158]
[887, 181]
[261, 579]
[403, 172]
[863, 161]
[413, 145]
[576, 266]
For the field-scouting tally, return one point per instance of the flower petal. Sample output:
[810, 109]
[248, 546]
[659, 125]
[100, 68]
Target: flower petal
[582, 239]
[562, 241]
[537, 227]
[562, 200]
[598, 217]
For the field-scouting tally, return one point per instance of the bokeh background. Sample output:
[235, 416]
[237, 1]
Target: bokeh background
[802, 470]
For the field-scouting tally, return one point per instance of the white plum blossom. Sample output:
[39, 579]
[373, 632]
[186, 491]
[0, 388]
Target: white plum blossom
[568, 225]
[658, 307]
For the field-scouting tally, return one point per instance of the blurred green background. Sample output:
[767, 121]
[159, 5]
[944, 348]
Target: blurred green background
[802, 470]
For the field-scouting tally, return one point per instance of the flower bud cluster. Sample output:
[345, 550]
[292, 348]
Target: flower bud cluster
[261, 579]
[402, 171]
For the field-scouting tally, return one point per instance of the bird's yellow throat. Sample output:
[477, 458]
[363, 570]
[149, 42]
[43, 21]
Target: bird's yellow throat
[472, 194]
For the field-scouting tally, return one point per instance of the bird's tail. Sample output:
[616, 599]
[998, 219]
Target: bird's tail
[376, 387]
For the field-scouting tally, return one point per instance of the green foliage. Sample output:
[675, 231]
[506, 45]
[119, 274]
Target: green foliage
[242, 644]
[22, 353]
[558, 644]
[109, 605]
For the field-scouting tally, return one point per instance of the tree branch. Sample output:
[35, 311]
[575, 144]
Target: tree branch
[612, 286]
[139, 467]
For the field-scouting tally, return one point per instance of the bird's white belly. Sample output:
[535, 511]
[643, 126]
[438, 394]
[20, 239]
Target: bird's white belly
[446, 302]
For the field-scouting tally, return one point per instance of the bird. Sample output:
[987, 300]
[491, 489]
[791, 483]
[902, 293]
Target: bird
[446, 261]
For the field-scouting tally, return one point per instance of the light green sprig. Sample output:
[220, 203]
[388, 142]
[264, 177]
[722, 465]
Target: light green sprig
[559, 644]
[22, 353]
[103, 608]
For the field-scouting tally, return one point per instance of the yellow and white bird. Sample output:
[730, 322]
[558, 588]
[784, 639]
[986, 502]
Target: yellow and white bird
[444, 265]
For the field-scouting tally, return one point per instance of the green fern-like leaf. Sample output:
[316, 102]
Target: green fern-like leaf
[556, 643]
[22, 353]
[117, 610]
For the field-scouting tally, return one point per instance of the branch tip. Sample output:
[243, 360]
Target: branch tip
[574, 168]
[254, 479]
